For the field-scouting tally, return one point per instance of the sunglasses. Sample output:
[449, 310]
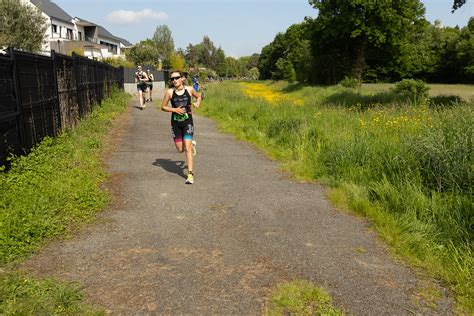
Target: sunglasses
[174, 78]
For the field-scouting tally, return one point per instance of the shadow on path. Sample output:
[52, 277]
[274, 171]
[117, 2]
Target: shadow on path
[172, 166]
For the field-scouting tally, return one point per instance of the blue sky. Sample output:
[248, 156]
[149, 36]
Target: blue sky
[240, 27]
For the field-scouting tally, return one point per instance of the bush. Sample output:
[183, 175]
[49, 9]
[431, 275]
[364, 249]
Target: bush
[350, 82]
[412, 88]
[446, 101]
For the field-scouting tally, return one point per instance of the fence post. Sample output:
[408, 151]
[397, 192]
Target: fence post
[76, 83]
[57, 111]
[19, 103]
[121, 78]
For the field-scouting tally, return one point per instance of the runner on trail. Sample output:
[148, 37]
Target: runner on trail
[182, 127]
[196, 86]
[196, 83]
[150, 84]
[141, 79]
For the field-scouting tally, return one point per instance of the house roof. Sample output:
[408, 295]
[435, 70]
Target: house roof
[52, 9]
[125, 42]
[102, 31]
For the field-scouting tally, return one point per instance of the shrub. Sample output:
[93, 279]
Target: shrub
[412, 88]
[350, 82]
[446, 101]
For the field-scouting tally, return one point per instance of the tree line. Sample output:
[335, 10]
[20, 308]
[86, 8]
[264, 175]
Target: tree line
[370, 41]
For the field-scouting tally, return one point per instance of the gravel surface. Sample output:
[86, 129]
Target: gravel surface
[222, 245]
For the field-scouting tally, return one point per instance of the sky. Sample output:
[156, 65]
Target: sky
[239, 27]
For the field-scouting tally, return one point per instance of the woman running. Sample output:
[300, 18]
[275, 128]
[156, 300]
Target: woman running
[182, 127]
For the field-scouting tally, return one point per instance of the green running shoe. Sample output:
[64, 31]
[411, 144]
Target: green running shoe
[190, 179]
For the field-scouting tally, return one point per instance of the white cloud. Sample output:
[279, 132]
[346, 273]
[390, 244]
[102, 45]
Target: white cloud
[132, 17]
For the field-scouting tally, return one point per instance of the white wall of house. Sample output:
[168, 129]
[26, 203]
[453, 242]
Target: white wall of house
[111, 51]
[70, 31]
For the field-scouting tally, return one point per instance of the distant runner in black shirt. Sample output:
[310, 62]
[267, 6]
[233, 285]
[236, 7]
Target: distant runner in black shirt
[141, 79]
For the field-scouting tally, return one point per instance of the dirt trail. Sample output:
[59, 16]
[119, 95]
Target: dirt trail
[221, 245]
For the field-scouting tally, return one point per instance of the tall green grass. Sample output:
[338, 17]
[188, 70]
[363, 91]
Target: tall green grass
[408, 166]
[50, 192]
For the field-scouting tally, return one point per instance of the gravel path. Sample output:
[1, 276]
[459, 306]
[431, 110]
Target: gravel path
[220, 246]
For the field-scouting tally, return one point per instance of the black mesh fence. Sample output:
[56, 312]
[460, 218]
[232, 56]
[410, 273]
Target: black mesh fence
[40, 96]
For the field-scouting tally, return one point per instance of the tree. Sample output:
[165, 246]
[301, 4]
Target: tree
[21, 26]
[284, 71]
[177, 62]
[144, 52]
[346, 32]
[163, 41]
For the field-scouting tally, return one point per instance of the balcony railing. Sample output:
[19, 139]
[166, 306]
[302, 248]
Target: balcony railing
[92, 39]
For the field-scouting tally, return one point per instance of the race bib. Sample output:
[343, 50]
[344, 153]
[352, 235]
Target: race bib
[181, 117]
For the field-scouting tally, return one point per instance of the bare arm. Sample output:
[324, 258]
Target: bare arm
[198, 97]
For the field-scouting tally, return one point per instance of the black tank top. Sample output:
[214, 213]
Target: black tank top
[183, 100]
[140, 75]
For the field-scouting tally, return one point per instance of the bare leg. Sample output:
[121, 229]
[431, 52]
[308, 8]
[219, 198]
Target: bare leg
[140, 93]
[179, 146]
[189, 154]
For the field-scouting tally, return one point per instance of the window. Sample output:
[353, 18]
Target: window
[69, 34]
[55, 28]
[79, 34]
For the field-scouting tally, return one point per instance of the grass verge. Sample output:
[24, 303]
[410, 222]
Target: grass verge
[300, 297]
[406, 165]
[50, 192]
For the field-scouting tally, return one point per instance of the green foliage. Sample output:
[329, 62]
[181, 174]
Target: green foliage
[118, 61]
[21, 26]
[144, 53]
[284, 71]
[177, 62]
[301, 298]
[349, 82]
[412, 88]
[204, 54]
[163, 42]
[405, 165]
[253, 73]
[346, 33]
[21, 295]
[57, 186]
[446, 101]
[292, 46]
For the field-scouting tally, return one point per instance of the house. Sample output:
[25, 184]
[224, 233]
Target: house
[66, 34]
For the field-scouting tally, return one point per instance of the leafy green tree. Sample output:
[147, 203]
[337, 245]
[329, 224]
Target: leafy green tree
[347, 31]
[254, 73]
[284, 71]
[163, 41]
[293, 46]
[270, 54]
[231, 67]
[144, 52]
[220, 62]
[177, 62]
[21, 26]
